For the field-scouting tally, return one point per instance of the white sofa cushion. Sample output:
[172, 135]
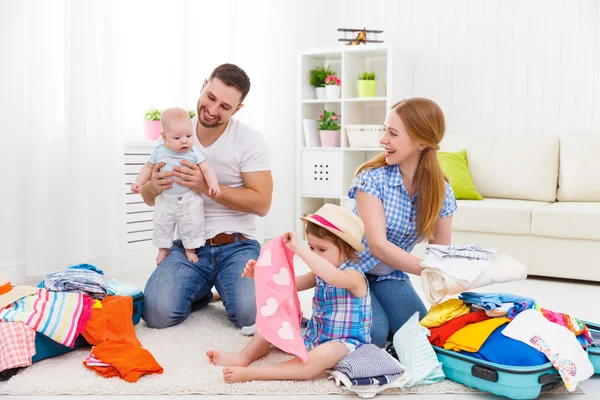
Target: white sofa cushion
[567, 220]
[495, 216]
[579, 168]
[510, 167]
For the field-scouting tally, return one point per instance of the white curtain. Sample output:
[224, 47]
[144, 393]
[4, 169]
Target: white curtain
[73, 185]
[79, 75]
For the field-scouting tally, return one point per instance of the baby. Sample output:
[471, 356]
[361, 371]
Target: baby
[341, 320]
[179, 205]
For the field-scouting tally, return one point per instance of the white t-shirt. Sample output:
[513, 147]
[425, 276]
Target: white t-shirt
[239, 149]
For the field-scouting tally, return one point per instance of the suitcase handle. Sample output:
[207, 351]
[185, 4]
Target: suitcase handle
[484, 373]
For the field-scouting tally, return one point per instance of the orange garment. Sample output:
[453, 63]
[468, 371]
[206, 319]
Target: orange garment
[113, 334]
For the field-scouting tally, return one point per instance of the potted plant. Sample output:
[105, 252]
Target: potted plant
[329, 129]
[366, 84]
[332, 87]
[317, 79]
[152, 126]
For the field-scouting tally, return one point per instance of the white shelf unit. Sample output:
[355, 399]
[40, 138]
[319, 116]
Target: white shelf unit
[325, 174]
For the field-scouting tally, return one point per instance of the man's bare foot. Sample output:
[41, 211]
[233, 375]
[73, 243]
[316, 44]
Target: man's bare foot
[223, 358]
[236, 374]
[216, 296]
[191, 255]
[162, 254]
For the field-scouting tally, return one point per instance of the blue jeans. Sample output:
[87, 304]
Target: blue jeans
[178, 287]
[393, 302]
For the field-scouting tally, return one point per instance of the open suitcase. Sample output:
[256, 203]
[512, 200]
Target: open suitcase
[509, 381]
[47, 348]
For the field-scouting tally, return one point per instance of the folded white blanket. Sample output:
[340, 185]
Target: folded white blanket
[438, 285]
[460, 263]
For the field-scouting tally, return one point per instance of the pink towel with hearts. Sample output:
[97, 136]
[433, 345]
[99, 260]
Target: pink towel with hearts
[278, 312]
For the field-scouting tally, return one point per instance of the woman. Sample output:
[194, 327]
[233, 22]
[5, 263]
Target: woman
[403, 198]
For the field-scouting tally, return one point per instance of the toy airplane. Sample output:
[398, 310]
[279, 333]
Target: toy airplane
[361, 38]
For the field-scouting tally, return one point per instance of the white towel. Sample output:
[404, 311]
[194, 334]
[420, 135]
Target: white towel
[471, 251]
[464, 264]
[438, 285]
[556, 342]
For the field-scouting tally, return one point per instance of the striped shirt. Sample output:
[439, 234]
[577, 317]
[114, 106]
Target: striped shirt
[58, 315]
[338, 315]
[400, 210]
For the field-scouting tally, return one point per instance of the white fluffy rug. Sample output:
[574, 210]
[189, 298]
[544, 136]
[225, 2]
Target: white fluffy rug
[180, 351]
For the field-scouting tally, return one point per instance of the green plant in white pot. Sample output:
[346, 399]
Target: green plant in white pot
[367, 84]
[317, 80]
[152, 126]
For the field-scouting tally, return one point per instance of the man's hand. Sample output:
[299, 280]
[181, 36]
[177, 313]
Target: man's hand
[249, 270]
[192, 177]
[161, 180]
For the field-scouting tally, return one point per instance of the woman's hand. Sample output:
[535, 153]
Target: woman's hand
[249, 270]
[291, 240]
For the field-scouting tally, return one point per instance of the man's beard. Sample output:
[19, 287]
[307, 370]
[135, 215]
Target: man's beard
[213, 125]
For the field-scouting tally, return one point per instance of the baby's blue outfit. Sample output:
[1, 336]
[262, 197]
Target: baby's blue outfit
[179, 205]
[173, 159]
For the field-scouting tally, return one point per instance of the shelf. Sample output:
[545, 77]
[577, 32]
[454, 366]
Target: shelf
[365, 99]
[320, 101]
[321, 148]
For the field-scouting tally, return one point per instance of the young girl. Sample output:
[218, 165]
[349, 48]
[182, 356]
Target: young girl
[341, 319]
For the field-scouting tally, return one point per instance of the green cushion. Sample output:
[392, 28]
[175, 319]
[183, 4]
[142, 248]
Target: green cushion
[456, 168]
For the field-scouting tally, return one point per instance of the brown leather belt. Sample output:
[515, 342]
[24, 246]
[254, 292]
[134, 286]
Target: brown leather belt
[225, 238]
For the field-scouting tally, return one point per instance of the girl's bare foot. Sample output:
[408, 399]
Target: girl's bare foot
[223, 358]
[191, 255]
[162, 254]
[236, 374]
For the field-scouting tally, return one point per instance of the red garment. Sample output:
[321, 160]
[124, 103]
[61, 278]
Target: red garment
[440, 334]
[113, 333]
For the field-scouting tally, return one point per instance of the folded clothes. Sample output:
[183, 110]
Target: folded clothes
[490, 301]
[368, 361]
[438, 285]
[441, 313]
[503, 350]
[473, 336]
[439, 335]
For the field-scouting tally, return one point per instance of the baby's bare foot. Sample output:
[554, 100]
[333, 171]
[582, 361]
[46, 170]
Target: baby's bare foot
[216, 296]
[236, 374]
[162, 254]
[223, 358]
[191, 255]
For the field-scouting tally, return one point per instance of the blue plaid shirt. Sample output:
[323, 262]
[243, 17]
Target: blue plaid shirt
[338, 315]
[387, 185]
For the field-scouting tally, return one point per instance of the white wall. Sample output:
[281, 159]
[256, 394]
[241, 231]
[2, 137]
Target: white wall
[496, 67]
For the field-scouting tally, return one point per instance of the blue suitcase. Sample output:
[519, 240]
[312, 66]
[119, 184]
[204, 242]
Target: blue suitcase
[508, 381]
[47, 348]
[594, 352]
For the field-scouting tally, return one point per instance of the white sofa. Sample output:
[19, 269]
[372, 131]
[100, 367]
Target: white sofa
[541, 201]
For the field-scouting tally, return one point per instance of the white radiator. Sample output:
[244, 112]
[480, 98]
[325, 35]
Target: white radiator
[139, 214]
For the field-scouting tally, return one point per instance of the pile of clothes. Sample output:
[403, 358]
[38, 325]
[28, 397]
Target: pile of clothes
[66, 304]
[511, 330]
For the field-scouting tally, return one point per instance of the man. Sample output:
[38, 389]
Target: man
[240, 158]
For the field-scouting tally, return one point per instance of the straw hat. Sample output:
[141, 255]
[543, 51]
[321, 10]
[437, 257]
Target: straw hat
[341, 222]
[9, 293]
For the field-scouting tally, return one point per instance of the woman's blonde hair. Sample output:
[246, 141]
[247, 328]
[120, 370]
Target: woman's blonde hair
[424, 122]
